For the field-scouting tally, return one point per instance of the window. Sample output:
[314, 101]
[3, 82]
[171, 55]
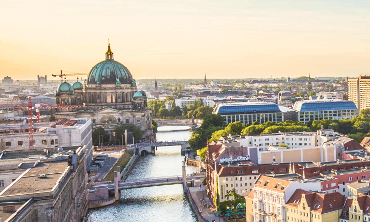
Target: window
[20, 143]
[227, 185]
[350, 178]
[56, 141]
[246, 184]
[43, 142]
[2, 183]
[333, 184]
[364, 177]
[127, 121]
[241, 178]
[236, 178]
[51, 142]
[227, 179]
[255, 171]
[8, 144]
[231, 185]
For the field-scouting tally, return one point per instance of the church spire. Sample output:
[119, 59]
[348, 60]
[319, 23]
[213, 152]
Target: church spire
[205, 79]
[109, 53]
[155, 84]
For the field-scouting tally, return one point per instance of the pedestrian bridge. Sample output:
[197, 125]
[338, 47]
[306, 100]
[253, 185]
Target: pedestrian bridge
[146, 148]
[145, 182]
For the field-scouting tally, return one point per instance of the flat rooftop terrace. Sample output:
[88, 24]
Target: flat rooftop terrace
[31, 183]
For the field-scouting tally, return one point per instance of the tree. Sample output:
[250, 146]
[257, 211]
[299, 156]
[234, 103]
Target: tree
[101, 135]
[175, 111]
[196, 141]
[202, 153]
[217, 134]
[119, 132]
[203, 111]
[212, 120]
[253, 130]
[163, 113]
[154, 126]
[234, 128]
[184, 110]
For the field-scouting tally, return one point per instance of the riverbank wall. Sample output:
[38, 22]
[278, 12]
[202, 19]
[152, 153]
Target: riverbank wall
[126, 171]
[193, 205]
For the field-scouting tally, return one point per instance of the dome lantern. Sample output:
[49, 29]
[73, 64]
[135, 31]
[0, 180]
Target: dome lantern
[109, 53]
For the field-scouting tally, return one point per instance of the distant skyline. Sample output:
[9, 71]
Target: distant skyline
[188, 38]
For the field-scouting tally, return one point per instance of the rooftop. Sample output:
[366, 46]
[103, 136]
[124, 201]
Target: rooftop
[32, 183]
[324, 104]
[246, 107]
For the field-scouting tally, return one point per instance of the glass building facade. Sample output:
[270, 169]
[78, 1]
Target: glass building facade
[249, 112]
[310, 110]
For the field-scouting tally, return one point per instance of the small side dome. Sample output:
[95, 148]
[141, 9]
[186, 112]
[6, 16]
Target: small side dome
[77, 85]
[139, 94]
[65, 87]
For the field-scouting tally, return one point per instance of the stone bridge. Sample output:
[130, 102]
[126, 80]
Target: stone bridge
[150, 148]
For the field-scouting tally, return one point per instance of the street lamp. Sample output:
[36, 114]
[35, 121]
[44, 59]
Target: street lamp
[102, 140]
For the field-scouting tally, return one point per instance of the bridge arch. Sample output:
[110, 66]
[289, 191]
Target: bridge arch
[144, 153]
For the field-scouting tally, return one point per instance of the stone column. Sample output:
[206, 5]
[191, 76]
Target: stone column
[183, 175]
[116, 179]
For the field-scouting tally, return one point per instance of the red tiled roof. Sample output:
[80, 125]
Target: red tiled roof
[247, 170]
[272, 183]
[352, 145]
[364, 203]
[318, 202]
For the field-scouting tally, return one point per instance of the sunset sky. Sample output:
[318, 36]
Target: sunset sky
[187, 38]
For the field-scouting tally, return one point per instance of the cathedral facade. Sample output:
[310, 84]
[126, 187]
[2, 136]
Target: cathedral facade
[109, 97]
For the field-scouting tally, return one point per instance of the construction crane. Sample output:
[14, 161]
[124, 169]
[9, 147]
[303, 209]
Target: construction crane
[67, 74]
[31, 142]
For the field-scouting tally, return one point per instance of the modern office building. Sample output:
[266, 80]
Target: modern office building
[249, 112]
[359, 91]
[309, 110]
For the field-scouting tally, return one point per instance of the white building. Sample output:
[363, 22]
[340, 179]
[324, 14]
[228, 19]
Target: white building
[65, 133]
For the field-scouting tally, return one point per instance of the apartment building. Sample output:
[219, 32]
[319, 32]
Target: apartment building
[359, 91]
[312, 206]
[357, 208]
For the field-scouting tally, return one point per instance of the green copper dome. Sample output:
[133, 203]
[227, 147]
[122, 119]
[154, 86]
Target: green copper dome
[139, 94]
[110, 72]
[65, 87]
[77, 85]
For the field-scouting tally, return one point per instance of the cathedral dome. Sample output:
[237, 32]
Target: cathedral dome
[65, 87]
[77, 85]
[110, 72]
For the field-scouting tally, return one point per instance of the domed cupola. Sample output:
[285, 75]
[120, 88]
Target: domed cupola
[139, 94]
[65, 87]
[77, 86]
[110, 71]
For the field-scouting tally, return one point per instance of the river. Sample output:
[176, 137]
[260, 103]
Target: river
[159, 203]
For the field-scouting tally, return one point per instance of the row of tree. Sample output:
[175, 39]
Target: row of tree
[212, 128]
[197, 110]
[101, 136]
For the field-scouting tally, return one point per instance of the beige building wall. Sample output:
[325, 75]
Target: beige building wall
[292, 156]
[316, 154]
[312, 155]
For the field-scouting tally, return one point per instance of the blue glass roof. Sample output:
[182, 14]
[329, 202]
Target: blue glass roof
[317, 105]
[245, 108]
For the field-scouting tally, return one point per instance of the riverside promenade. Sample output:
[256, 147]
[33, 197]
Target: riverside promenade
[203, 204]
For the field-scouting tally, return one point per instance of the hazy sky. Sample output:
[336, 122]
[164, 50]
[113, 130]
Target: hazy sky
[187, 38]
